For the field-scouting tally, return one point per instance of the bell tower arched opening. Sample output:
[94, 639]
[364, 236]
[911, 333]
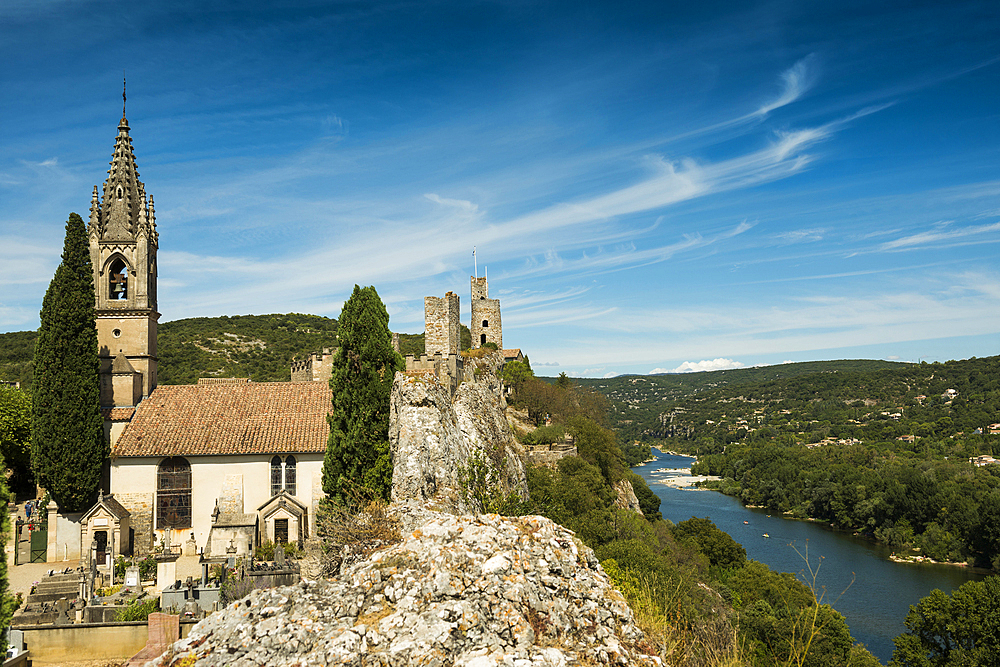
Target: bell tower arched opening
[118, 281]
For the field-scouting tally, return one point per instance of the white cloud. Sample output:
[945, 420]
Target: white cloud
[457, 203]
[941, 233]
[719, 364]
[797, 79]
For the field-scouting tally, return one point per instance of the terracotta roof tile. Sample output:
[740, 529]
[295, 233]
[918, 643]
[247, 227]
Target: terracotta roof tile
[117, 414]
[253, 418]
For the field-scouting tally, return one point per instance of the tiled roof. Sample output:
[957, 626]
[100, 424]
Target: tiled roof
[512, 353]
[117, 414]
[253, 418]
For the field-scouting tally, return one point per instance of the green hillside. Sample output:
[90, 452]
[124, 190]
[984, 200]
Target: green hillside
[641, 401]
[260, 347]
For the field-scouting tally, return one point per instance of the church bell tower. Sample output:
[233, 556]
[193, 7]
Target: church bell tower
[123, 243]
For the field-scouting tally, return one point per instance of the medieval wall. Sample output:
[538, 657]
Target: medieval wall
[317, 367]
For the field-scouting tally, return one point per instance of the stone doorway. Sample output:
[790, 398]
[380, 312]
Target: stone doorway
[101, 536]
[281, 531]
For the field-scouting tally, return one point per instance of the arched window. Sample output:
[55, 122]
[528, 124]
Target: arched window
[482, 339]
[486, 324]
[275, 475]
[173, 494]
[118, 280]
[289, 475]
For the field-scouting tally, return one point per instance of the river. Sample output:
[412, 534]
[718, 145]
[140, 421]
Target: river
[875, 604]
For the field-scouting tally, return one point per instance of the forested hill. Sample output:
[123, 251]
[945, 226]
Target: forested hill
[642, 403]
[260, 347]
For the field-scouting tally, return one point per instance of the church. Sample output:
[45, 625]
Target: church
[224, 464]
[220, 466]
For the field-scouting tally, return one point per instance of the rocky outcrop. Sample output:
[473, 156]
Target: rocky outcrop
[434, 439]
[626, 496]
[469, 591]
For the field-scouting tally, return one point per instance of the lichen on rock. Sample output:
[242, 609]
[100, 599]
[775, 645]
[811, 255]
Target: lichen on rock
[471, 591]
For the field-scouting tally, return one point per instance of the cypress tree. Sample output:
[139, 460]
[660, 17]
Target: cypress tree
[357, 453]
[67, 434]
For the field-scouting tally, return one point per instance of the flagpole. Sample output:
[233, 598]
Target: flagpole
[475, 261]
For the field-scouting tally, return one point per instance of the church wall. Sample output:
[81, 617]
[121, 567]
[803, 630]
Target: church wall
[134, 478]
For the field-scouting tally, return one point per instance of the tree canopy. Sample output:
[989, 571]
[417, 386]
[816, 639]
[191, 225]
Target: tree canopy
[363, 369]
[15, 433]
[67, 437]
[952, 631]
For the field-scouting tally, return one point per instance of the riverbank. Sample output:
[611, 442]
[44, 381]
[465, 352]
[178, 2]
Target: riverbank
[927, 560]
[687, 481]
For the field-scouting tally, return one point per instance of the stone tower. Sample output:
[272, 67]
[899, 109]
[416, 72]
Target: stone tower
[123, 242]
[442, 324]
[485, 315]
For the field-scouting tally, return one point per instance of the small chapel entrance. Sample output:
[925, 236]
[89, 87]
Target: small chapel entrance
[281, 531]
[101, 536]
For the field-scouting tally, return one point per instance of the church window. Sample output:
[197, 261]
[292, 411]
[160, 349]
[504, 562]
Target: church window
[290, 475]
[275, 475]
[173, 494]
[117, 333]
[120, 193]
[118, 281]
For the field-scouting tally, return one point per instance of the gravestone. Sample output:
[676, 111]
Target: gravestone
[279, 555]
[62, 617]
[132, 576]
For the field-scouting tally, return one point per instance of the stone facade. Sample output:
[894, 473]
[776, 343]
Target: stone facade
[140, 508]
[485, 315]
[123, 244]
[317, 367]
[442, 329]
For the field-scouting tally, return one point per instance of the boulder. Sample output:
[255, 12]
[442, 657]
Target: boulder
[471, 591]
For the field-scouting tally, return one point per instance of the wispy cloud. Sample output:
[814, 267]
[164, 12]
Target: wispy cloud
[797, 80]
[944, 233]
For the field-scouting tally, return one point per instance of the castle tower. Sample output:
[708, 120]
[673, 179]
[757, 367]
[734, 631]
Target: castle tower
[485, 315]
[442, 324]
[123, 243]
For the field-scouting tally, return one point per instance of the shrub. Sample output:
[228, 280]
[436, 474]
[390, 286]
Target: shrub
[137, 610]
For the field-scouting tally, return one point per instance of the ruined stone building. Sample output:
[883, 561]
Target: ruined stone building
[485, 315]
[442, 339]
[317, 367]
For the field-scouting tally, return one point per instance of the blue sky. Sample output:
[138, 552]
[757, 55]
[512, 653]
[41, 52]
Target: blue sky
[652, 186]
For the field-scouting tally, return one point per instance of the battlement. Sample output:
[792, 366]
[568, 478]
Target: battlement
[317, 367]
[447, 368]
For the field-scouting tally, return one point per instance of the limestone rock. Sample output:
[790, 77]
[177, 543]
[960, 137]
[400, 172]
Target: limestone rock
[626, 496]
[472, 591]
[434, 438]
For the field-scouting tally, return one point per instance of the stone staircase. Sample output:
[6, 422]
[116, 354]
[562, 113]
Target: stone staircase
[40, 607]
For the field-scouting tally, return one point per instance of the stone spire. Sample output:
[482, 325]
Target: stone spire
[123, 213]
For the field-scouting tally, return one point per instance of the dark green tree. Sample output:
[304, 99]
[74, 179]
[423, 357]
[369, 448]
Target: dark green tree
[357, 454]
[67, 432]
[8, 602]
[15, 434]
[962, 630]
